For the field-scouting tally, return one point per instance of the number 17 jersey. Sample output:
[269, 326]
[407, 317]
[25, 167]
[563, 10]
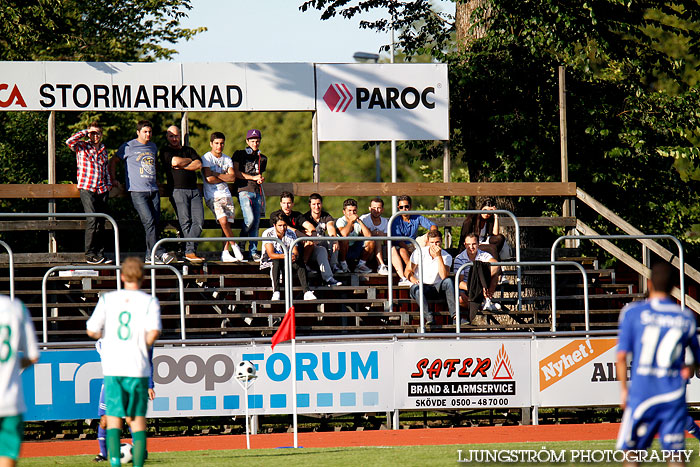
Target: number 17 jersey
[656, 332]
[124, 317]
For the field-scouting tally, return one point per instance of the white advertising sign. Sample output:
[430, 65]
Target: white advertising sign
[464, 374]
[360, 102]
[163, 86]
[196, 381]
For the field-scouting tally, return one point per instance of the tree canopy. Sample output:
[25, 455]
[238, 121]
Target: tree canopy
[632, 104]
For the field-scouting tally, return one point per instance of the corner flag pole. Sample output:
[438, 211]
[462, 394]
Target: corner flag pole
[294, 392]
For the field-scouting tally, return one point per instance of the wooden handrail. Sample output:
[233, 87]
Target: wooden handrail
[632, 230]
[638, 267]
[346, 189]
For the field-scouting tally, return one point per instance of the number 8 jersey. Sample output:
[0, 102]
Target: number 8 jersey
[124, 317]
[656, 332]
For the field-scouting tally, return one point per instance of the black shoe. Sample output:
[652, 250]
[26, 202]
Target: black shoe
[93, 259]
[99, 458]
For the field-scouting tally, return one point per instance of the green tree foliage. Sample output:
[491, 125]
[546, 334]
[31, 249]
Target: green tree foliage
[122, 30]
[626, 133]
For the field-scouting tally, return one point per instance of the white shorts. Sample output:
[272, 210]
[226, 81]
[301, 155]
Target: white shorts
[222, 207]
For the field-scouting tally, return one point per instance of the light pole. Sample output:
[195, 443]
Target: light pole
[367, 56]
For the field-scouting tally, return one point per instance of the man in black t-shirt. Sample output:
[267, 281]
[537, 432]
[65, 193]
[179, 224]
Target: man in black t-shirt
[324, 224]
[249, 165]
[312, 251]
[183, 163]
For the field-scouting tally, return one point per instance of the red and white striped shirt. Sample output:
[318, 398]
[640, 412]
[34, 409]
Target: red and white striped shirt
[92, 161]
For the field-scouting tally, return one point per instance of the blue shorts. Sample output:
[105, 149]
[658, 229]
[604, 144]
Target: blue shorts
[355, 250]
[102, 407]
[642, 421]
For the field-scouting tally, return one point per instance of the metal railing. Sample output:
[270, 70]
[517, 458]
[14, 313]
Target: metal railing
[226, 239]
[681, 257]
[24, 215]
[44, 305]
[372, 239]
[12, 269]
[468, 211]
[531, 263]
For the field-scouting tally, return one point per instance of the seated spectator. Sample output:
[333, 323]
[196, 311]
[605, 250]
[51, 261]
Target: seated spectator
[324, 226]
[273, 256]
[217, 171]
[350, 225]
[486, 227]
[406, 226]
[311, 252]
[377, 226]
[477, 284]
[436, 270]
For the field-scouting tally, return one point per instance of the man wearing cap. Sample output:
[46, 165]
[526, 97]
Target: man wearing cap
[249, 165]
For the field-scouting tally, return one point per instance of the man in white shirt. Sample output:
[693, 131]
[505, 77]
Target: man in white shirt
[436, 270]
[128, 321]
[18, 350]
[473, 298]
[218, 172]
[377, 226]
[350, 225]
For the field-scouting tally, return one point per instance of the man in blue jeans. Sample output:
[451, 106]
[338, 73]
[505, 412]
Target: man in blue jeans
[249, 165]
[139, 155]
[182, 164]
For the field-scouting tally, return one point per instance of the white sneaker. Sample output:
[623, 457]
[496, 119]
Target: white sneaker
[383, 270]
[237, 253]
[331, 282]
[227, 257]
[309, 295]
[344, 267]
[404, 283]
[490, 306]
[362, 268]
[275, 295]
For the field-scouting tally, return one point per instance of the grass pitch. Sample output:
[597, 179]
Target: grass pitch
[446, 455]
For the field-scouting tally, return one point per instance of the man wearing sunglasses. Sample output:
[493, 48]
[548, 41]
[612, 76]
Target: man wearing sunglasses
[406, 226]
[94, 184]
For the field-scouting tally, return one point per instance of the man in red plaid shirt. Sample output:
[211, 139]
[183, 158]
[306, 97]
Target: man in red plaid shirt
[94, 184]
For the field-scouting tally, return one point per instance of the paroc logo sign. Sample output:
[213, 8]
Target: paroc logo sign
[15, 97]
[337, 97]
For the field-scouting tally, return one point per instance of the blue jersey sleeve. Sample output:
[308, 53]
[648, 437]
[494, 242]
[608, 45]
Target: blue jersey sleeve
[625, 336]
[150, 376]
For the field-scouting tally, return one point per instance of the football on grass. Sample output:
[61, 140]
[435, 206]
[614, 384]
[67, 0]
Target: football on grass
[125, 453]
[245, 371]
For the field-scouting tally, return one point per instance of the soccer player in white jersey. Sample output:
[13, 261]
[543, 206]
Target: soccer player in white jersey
[128, 321]
[655, 333]
[18, 350]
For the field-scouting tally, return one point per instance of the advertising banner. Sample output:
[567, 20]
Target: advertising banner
[162, 86]
[360, 102]
[471, 374]
[199, 381]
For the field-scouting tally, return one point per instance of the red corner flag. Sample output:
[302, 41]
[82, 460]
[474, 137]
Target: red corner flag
[287, 330]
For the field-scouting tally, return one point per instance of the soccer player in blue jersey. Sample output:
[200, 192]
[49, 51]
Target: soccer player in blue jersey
[655, 333]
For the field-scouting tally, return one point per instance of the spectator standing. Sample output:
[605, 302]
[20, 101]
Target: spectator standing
[217, 169]
[249, 165]
[182, 163]
[377, 226]
[18, 350]
[128, 321]
[476, 283]
[406, 226]
[436, 271]
[273, 256]
[350, 225]
[94, 184]
[139, 155]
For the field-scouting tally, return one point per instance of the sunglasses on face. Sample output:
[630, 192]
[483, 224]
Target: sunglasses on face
[405, 207]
